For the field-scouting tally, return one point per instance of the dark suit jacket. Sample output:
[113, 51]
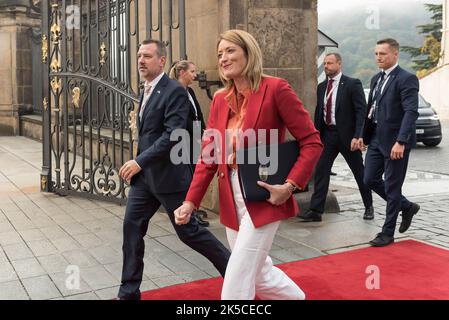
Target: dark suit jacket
[190, 122]
[167, 109]
[350, 109]
[397, 110]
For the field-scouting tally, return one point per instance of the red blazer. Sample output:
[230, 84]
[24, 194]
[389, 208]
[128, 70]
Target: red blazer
[274, 106]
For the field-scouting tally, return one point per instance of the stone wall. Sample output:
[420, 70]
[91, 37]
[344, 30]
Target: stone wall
[433, 88]
[445, 36]
[285, 29]
[15, 67]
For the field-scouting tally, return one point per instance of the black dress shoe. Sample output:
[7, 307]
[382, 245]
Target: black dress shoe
[310, 216]
[197, 215]
[407, 216]
[369, 213]
[381, 240]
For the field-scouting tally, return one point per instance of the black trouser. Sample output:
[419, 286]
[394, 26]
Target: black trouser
[378, 162]
[332, 147]
[142, 205]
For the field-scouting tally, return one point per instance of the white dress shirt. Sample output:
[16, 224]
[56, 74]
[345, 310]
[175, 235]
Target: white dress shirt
[372, 111]
[193, 104]
[387, 75]
[153, 85]
[334, 89]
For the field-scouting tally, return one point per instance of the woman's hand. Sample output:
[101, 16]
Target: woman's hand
[279, 193]
[183, 213]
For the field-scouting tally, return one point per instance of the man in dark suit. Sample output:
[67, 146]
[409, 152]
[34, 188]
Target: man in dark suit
[155, 180]
[339, 116]
[390, 132]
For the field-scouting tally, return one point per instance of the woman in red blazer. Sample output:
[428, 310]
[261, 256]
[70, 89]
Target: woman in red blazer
[251, 101]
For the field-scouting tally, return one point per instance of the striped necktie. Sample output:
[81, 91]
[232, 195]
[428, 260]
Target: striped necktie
[329, 102]
[146, 95]
[377, 95]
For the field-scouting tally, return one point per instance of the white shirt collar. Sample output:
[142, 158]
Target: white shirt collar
[155, 81]
[337, 77]
[388, 71]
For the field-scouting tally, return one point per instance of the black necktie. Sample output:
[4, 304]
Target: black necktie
[377, 92]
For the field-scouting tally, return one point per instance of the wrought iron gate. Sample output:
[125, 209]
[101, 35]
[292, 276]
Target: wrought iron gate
[91, 88]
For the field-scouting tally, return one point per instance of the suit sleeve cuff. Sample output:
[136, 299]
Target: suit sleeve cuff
[190, 203]
[137, 164]
[294, 183]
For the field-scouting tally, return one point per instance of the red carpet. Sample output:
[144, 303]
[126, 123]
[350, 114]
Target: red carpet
[408, 270]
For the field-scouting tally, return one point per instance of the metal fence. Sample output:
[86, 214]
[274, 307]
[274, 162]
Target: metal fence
[90, 88]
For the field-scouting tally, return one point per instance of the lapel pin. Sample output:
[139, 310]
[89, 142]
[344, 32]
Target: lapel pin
[158, 92]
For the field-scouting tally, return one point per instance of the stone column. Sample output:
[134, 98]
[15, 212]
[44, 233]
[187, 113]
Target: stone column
[16, 22]
[287, 33]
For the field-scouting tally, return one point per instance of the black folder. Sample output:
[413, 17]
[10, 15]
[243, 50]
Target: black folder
[252, 167]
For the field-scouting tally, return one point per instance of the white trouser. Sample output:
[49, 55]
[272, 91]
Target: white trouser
[250, 270]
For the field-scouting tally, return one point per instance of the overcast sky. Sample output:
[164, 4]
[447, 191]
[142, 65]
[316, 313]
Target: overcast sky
[328, 6]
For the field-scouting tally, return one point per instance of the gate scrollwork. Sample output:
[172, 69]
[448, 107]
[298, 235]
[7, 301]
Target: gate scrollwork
[91, 85]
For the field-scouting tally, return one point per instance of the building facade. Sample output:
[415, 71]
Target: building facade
[434, 86]
[69, 72]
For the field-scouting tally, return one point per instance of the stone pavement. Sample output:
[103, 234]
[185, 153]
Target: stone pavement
[46, 241]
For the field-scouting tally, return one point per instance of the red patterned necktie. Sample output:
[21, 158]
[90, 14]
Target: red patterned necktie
[329, 102]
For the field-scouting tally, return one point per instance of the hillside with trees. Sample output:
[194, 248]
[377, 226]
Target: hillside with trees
[357, 41]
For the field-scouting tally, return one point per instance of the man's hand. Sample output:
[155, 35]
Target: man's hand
[355, 144]
[361, 145]
[279, 193]
[397, 152]
[128, 170]
[183, 213]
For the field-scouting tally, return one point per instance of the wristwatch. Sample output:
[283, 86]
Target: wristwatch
[292, 188]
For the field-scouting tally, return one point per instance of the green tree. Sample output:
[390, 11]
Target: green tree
[426, 57]
[357, 41]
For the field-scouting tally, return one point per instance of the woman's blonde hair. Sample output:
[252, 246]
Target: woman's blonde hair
[177, 66]
[254, 68]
